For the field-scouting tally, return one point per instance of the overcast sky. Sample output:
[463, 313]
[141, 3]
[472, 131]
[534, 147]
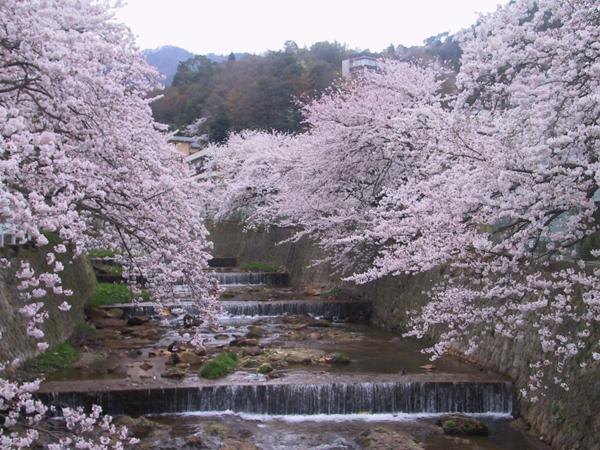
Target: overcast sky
[222, 26]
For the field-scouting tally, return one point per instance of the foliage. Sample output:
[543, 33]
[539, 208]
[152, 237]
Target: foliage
[82, 159]
[220, 366]
[254, 92]
[85, 329]
[258, 266]
[102, 253]
[60, 356]
[110, 294]
[497, 183]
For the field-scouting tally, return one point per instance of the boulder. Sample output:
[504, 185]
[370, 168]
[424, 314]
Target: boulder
[303, 356]
[189, 357]
[459, 425]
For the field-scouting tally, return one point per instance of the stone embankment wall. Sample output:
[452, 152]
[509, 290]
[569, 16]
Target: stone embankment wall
[14, 341]
[569, 420]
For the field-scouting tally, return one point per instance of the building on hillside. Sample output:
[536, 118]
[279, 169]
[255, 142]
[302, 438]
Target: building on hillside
[196, 162]
[357, 66]
[189, 145]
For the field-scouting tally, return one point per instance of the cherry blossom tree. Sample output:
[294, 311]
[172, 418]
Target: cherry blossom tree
[81, 159]
[525, 207]
[364, 135]
[498, 185]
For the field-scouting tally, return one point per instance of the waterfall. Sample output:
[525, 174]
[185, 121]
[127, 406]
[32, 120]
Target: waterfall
[306, 399]
[334, 310]
[349, 310]
[252, 278]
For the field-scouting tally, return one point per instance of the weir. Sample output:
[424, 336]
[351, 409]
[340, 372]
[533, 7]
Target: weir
[303, 385]
[337, 310]
[302, 398]
[252, 278]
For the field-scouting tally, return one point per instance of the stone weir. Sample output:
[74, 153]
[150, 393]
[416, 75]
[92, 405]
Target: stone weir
[252, 278]
[337, 310]
[399, 395]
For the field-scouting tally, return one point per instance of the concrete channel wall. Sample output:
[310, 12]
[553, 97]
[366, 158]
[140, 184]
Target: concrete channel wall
[14, 341]
[568, 420]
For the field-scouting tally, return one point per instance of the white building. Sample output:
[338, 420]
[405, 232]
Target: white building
[358, 65]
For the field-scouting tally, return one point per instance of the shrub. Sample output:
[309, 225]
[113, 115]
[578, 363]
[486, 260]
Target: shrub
[258, 266]
[60, 356]
[218, 367]
[113, 293]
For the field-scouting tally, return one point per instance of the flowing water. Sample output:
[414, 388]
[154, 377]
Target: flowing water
[385, 390]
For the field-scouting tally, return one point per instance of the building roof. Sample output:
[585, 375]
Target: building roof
[187, 139]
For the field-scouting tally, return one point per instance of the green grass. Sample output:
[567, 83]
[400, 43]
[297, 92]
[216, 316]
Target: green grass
[85, 329]
[109, 269]
[340, 358]
[265, 368]
[101, 253]
[113, 293]
[58, 357]
[218, 367]
[333, 292]
[258, 266]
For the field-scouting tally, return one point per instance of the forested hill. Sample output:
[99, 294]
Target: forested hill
[260, 91]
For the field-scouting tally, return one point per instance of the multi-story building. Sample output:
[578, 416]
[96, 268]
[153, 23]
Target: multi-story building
[358, 65]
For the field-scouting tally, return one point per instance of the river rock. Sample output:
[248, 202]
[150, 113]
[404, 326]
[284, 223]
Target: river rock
[189, 357]
[244, 342]
[97, 313]
[190, 321]
[220, 337]
[115, 313]
[295, 319]
[137, 320]
[88, 359]
[459, 425]
[255, 332]
[252, 351]
[194, 441]
[338, 358]
[384, 439]
[302, 356]
[107, 334]
[319, 323]
[235, 444]
[177, 372]
[146, 331]
[110, 323]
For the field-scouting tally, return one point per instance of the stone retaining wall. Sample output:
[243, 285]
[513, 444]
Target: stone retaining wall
[14, 342]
